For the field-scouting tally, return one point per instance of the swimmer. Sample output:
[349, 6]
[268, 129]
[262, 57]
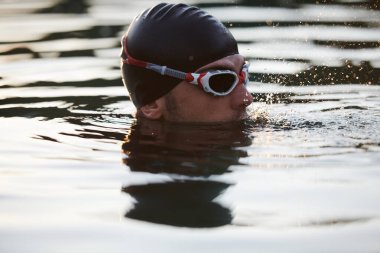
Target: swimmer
[181, 64]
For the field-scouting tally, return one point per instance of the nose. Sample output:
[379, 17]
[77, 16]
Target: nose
[240, 97]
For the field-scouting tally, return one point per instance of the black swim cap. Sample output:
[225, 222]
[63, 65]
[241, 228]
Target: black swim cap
[179, 36]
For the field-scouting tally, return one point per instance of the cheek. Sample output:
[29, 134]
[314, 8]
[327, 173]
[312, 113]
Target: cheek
[204, 108]
[193, 104]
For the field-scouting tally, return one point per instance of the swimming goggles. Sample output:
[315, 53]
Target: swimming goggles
[216, 82]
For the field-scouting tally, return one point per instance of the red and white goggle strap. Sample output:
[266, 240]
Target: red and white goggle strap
[242, 77]
[195, 78]
[130, 60]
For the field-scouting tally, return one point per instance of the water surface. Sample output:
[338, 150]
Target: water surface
[78, 171]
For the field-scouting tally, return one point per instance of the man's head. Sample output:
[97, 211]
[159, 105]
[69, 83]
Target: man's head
[187, 39]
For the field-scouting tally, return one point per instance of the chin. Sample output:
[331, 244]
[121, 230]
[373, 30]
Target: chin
[240, 116]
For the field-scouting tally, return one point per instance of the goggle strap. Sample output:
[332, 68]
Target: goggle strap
[199, 80]
[163, 70]
[242, 77]
[175, 73]
[130, 60]
[189, 77]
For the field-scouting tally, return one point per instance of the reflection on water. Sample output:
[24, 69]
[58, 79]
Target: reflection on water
[184, 203]
[191, 154]
[76, 165]
[202, 150]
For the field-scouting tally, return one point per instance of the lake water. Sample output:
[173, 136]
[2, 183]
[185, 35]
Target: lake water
[78, 173]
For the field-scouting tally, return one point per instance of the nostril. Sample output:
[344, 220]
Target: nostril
[247, 100]
[241, 98]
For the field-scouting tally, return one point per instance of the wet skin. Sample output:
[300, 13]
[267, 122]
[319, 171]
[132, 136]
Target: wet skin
[188, 103]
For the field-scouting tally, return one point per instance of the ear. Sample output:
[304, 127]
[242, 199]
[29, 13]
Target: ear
[153, 110]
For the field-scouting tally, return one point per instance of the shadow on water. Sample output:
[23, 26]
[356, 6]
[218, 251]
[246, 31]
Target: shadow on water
[192, 156]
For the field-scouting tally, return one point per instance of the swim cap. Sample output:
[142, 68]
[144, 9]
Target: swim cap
[179, 36]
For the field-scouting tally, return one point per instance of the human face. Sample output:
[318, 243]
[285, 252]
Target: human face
[187, 103]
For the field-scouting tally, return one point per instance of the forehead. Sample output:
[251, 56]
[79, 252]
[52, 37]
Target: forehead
[231, 62]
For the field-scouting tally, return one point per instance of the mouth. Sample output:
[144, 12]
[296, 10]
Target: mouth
[238, 116]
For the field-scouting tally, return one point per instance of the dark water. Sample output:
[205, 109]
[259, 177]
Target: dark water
[79, 172]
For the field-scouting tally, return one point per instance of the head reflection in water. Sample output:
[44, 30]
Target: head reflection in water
[193, 156]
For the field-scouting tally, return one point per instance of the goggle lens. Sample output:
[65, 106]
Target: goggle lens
[222, 82]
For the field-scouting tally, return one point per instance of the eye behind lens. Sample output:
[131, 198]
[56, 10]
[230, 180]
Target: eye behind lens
[222, 82]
